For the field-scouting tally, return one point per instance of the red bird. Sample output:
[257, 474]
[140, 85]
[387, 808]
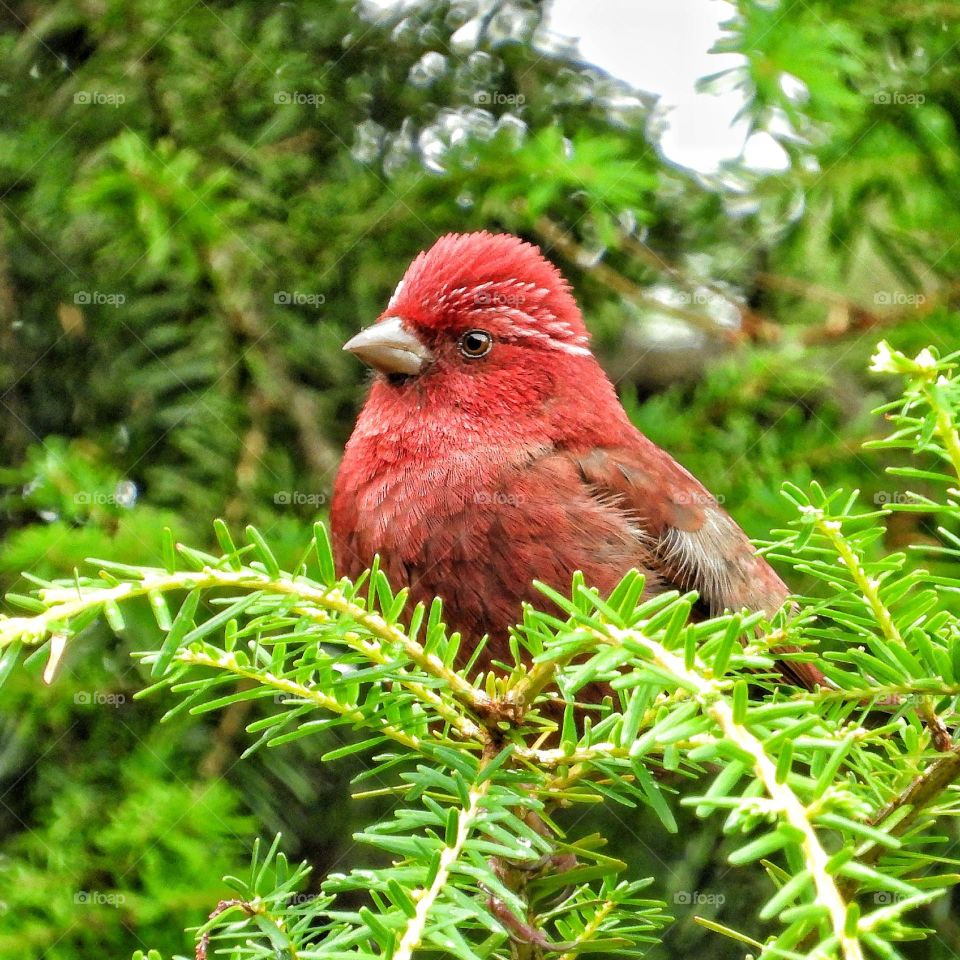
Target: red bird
[492, 450]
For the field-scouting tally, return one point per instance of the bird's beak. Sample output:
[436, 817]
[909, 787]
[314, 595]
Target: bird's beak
[390, 347]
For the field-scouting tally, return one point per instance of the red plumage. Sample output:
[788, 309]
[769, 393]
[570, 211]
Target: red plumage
[473, 473]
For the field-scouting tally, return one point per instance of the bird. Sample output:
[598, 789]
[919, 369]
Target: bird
[492, 451]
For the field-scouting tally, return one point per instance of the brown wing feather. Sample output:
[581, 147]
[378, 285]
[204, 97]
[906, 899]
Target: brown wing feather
[697, 544]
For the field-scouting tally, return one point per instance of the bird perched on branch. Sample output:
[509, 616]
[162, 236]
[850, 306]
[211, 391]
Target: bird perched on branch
[492, 450]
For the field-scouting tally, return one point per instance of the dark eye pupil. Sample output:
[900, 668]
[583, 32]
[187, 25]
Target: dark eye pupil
[475, 343]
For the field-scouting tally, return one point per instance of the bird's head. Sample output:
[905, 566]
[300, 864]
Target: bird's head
[477, 313]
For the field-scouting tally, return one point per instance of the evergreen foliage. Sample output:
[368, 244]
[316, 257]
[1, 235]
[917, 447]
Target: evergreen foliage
[199, 202]
[837, 795]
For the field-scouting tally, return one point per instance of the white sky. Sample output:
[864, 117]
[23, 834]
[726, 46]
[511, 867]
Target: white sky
[661, 46]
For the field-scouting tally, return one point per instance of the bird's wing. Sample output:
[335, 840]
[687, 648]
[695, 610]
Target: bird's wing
[696, 543]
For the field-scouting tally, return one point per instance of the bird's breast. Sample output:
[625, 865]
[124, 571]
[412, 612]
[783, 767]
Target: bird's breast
[476, 524]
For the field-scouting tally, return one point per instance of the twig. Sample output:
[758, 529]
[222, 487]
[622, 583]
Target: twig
[945, 427]
[252, 451]
[203, 944]
[557, 237]
[425, 898]
[15, 435]
[919, 795]
[870, 591]
[588, 932]
[846, 316]
[280, 386]
[293, 689]
[65, 604]
[709, 695]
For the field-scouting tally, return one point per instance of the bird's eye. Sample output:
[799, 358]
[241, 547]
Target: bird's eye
[475, 343]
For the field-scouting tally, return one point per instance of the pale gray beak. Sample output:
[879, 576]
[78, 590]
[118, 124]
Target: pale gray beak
[389, 347]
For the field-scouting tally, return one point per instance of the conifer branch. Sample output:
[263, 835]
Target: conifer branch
[709, 694]
[870, 590]
[424, 899]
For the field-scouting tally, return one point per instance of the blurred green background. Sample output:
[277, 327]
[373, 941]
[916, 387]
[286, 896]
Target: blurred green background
[200, 201]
